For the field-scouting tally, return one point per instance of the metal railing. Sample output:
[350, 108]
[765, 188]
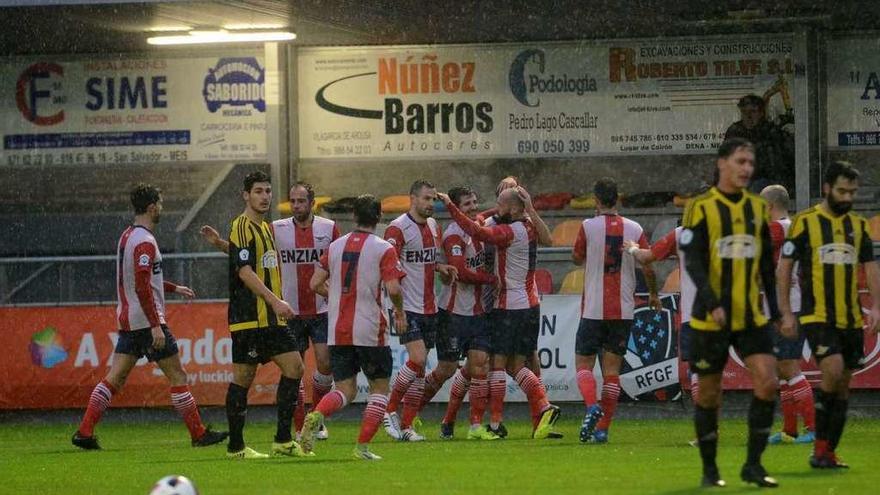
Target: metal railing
[73, 280]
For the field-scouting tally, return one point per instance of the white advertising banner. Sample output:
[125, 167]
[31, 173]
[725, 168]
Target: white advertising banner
[132, 110]
[853, 92]
[635, 97]
[650, 362]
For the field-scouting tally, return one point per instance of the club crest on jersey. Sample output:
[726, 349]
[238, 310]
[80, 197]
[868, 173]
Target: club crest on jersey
[270, 260]
[456, 250]
[244, 255]
[305, 256]
[788, 248]
[837, 253]
[651, 362]
[144, 260]
[737, 246]
[420, 256]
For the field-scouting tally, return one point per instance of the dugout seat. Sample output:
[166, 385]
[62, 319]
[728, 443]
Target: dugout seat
[395, 204]
[874, 225]
[565, 233]
[544, 281]
[573, 283]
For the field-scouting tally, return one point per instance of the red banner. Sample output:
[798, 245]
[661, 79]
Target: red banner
[55, 356]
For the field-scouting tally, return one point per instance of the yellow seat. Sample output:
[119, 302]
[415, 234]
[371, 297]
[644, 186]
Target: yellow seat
[395, 204]
[573, 283]
[285, 209]
[566, 233]
[672, 283]
[320, 201]
[874, 225]
[583, 202]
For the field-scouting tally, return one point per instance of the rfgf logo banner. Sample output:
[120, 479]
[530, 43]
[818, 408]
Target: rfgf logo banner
[525, 100]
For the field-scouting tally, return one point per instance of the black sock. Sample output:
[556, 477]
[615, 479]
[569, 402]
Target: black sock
[836, 422]
[706, 422]
[824, 405]
[760, 422]
[285, 401]
[236, 411]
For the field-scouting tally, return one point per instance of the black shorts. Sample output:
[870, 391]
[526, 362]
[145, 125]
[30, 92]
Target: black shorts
[347, 360]
[607, 335]
[420, 327]
[305, 329]
[849, 343]
[448, 343]
[260, 345]
[685, 338]
[514, 332]
[473, 332]
[784, 348]
[710, 348]
[139, 343]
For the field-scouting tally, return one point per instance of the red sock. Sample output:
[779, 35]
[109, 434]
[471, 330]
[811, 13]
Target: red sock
[587, 385]
[100, 399]
[497, 389]
[479, 398]
[457, 392]
[331, 403]
[531, 386]
[373, 413]
[185, 405]
[802, 394]
[789, 409]
[821, 448]
[299, 414]
[405, 376]
[321, 385]
[695, 387]
[412, 402]
[610, 393]
[432, 386]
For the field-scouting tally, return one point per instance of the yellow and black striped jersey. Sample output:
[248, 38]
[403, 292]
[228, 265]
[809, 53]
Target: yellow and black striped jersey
[726, 239]
[829, 249]
[253, 245]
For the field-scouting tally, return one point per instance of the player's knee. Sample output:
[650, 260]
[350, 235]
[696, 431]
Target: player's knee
[419, 359]
[323, 367]
[294, 370]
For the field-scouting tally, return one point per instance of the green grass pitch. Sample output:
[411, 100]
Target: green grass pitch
[643, 457]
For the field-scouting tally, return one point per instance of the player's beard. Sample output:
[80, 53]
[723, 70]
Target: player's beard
[838, 207]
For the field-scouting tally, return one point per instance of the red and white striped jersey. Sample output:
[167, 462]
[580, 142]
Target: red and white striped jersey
[665, 248]
[609, 273]
[358, 263]
[464, 297]
[516, 256]
[416, 246]
[778, 234]
[139, 284]
[300, 249]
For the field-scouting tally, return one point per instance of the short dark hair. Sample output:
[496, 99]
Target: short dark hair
[367, 210]
[605, 190]
[458, 192]
[839, 168]
[751, 100]
[418, 185]
[310, 189]
[254, 177]
[729, 146]
[144, 195]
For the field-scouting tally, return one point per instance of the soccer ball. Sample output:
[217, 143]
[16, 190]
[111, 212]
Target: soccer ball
[174, 485]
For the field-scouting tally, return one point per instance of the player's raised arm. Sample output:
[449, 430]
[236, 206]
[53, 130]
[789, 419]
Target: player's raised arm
[212, 237]
[545, 238]
[495, 235]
